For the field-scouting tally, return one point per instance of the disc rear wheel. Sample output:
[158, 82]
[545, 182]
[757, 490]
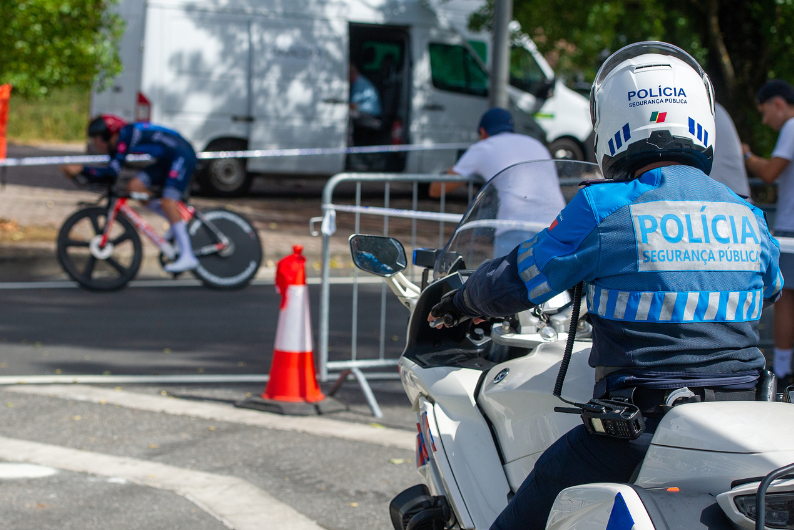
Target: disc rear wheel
[99, 268]
[233, 266]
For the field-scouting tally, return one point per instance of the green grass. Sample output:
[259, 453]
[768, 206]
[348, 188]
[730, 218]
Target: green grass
[60, 117]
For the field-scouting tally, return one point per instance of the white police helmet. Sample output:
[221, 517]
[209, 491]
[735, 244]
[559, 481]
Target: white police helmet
[650, 102]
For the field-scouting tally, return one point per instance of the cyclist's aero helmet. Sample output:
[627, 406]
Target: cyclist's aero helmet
[105, 126]
[651, 101]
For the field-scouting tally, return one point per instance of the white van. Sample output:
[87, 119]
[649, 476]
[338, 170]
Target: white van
[252, 74]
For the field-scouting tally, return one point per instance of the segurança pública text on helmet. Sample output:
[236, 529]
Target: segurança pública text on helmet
[645, 93]
[656, 102]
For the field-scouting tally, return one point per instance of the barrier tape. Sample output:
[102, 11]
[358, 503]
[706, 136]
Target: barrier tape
[786, 243]
[258, 153]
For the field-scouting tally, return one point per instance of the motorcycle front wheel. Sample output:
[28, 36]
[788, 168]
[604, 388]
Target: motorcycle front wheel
[99, 269]
[232, 267]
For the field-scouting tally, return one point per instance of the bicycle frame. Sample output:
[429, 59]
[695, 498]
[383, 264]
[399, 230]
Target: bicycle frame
[186, 212]
[120, 206]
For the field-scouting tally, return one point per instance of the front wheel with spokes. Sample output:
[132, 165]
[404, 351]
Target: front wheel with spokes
[94, 267]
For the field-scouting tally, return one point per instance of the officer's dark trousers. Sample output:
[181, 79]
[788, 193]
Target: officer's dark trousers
[576, 458]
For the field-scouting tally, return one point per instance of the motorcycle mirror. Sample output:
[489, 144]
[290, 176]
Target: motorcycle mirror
[378, 255]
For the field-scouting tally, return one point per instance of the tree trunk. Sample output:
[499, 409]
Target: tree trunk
[721, 51]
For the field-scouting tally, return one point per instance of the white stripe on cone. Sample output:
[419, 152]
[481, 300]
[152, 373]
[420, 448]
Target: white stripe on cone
[294, 331]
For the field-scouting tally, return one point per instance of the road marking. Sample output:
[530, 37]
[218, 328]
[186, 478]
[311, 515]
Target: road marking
[87, 379]
[236, 503]
[131, 379]
[66, 284]
[318, 426]
[14, 471]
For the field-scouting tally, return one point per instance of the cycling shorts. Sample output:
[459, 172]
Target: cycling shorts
[174, 177]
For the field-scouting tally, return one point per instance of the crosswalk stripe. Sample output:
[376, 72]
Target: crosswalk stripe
[235, 502]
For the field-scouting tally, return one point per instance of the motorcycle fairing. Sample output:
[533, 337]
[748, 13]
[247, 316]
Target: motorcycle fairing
[626, 507]
[521, 406]
[437, 471]
[599, 507]
[465, 455]
[704, 447]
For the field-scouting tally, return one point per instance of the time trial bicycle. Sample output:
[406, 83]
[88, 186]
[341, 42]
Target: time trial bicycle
[99, 246]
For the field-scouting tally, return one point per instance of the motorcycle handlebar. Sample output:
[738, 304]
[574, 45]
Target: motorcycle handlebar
[449, 321]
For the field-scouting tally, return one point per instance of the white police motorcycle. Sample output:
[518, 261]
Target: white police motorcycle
[484, 397]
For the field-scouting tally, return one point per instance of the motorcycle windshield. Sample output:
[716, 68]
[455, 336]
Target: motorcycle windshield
[506, 213]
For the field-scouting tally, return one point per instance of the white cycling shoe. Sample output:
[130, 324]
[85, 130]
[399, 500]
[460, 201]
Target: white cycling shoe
[185, 262]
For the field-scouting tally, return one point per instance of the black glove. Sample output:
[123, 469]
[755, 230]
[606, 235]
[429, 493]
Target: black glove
[445, 312]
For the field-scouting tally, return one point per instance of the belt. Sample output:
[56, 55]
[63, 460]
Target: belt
[652, 402]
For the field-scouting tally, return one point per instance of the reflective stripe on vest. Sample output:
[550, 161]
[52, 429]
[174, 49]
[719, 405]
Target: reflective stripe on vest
[674, 307]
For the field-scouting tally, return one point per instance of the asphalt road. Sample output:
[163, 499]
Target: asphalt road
[338, 484]
[174, 330]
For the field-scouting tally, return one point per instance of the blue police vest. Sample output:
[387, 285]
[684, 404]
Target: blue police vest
[676, 268]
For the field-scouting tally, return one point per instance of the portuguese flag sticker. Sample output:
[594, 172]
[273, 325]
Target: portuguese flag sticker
[658, 117]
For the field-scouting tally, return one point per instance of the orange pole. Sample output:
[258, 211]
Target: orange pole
[5, 96]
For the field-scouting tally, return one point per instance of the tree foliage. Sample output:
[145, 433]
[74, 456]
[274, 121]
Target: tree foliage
[740, 44]
[52, 44]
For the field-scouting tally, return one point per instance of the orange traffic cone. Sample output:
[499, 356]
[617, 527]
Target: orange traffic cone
[292, 387]
[292, 375]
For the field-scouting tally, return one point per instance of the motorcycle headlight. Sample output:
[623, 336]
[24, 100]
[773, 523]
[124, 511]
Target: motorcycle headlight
[779, 508]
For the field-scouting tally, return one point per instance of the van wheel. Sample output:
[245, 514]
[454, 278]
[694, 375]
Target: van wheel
[225, 177]
[566, 149]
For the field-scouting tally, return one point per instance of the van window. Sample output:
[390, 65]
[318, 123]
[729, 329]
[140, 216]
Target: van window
[378, 51]
[453, 68]
[480, 48]
[525, 73]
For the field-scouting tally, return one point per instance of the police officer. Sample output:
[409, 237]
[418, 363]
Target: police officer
[173, 169]
[500, 147]
[676, 268]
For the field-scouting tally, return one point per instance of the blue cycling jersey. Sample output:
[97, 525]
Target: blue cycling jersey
[676, 268]
[175, 158]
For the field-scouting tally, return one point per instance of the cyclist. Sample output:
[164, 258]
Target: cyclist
[172, 169]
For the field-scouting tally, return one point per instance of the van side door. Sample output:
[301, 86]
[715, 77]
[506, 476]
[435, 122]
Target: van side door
[451, 93]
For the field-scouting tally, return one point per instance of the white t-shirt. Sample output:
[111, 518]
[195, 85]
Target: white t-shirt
[490, 156]
[784, 148]
[728, 166]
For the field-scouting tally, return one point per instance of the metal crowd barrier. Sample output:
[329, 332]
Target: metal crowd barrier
[354, 365]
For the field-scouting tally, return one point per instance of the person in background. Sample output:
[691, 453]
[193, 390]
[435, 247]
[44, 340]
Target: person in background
[728, 166]
[776, 105]
[500, 147]
[365, 107]
[364, 96]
